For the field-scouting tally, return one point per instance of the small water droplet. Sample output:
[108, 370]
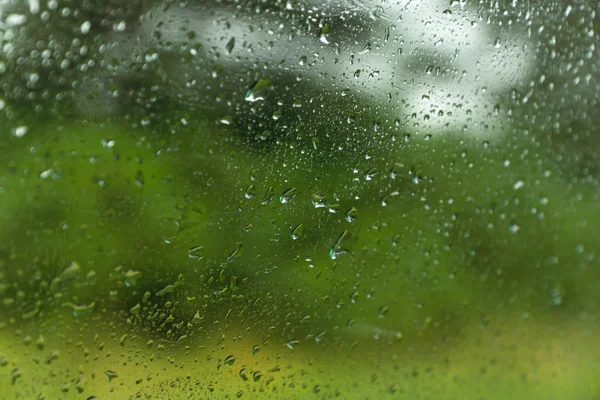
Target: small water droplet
[518, 185]
[291, 344]
[139, 178]
[131, 277]
[80, 310]
[226, 120]
[514, 228]
[120, 27]
[15, 374]
[557, 295]
[382, 312]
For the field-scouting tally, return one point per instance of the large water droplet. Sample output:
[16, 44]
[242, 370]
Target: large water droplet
[288, 195]
[258, 90]
[351, 215]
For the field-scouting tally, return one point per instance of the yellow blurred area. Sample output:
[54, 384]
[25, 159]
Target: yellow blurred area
[504, 358]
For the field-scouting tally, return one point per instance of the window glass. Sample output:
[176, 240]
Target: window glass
[289, 199]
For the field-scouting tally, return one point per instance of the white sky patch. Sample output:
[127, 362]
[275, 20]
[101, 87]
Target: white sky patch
[443, 71]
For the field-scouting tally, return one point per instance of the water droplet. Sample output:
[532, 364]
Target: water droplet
[135, 310]
[351, 215]
[14, 375]
[226, 120]
[107, 143]
[243, 375]
[366, 48]
[258, 90]
[20, 131]
[255, 349]
[85, 27]
[250, 192]
[336, 249]
[229, 360]
[151, 57]
[268, 196]
[318, 200]
[131, 277]
[297, 231]
[324, 34]
[80, 310]
[169, 288]
[235, 253]
[382, 312]
[370, 174]
[514, 228]
[256, 375]
[139, 178]
[70, 271]
[40, 343]
[291, 344]
[518, 185]
[15, 20]
[110, 374]
[120, 27]
[568, 10]
[230, 45]
[196, 252]
[557, 295]
[288, 195]
[52, 356]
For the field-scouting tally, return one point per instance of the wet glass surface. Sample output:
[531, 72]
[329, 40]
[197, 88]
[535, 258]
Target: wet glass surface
[299, 199]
